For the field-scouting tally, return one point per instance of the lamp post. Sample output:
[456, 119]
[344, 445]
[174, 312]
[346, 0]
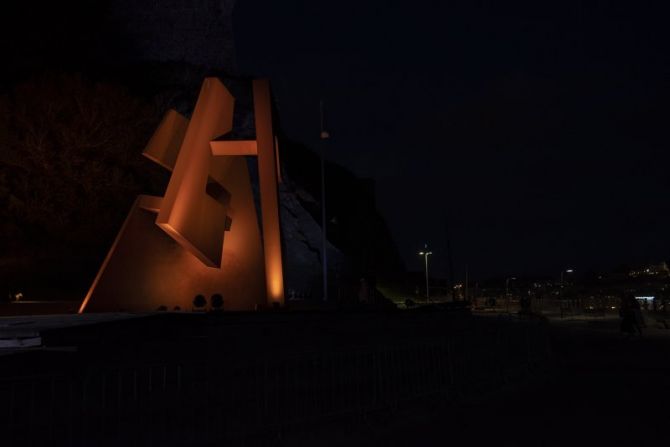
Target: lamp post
[466, 283]
[324, 260]
[507, 290]
[565, 271]
[425, 253]
[562, 282]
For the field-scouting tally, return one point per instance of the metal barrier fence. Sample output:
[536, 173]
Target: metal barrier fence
[199, 403]
[581, 306]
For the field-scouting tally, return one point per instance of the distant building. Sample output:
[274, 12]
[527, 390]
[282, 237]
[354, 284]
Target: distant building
[652, 270]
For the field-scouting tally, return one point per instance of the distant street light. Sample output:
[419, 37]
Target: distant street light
[565, 271]
[425, 253]
[562, 282]
[507, 290]
[507, 284]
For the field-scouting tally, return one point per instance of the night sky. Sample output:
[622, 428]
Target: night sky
[538, 131]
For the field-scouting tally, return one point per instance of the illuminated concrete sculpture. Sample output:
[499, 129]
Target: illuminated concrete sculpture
[203, 236]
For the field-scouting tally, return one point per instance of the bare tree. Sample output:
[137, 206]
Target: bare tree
[70, 161]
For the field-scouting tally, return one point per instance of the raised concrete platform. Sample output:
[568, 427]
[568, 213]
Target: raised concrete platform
[19, 332]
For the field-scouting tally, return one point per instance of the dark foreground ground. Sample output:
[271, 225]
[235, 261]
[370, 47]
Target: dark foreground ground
[604, 389]
[424, 378]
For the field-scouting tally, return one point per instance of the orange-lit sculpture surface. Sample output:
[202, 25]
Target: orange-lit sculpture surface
[203, 236]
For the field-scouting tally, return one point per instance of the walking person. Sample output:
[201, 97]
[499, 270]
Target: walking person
[637, 314]
[627, 317]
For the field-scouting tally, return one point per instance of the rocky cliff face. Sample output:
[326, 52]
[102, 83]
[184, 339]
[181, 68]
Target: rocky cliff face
[111, 37]
[197, 32]
[303, 250]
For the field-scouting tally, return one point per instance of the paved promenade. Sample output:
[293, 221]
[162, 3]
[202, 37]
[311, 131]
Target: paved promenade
[604, 390]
